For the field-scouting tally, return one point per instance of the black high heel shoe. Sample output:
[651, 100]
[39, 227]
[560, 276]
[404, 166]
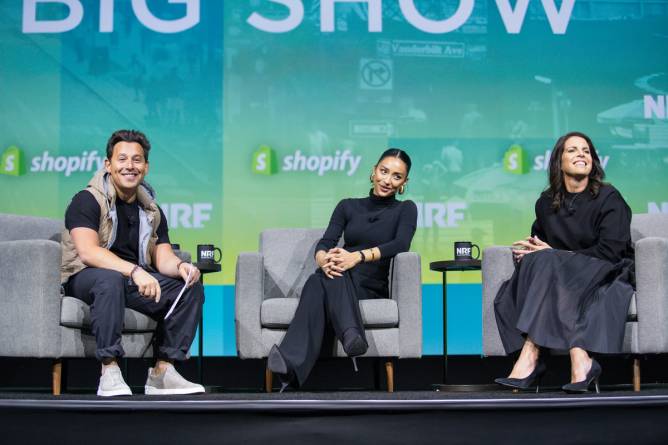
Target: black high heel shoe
[528, 381]
[354, 345]
[583, 386]
[279, 366]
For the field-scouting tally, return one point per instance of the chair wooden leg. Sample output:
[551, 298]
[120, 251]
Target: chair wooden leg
[636, 374]
[268, 380]
[56, 376]
[389, 370]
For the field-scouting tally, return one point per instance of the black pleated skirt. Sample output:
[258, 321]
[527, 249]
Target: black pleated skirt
[563, 300]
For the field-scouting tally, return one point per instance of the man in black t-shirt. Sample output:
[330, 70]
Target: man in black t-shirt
[116, 254]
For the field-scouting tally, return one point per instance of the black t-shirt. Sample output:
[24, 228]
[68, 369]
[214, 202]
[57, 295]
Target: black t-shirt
[84, 211]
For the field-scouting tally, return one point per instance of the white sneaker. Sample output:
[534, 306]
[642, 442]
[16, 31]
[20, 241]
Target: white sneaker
[112, 383]
[170, 382]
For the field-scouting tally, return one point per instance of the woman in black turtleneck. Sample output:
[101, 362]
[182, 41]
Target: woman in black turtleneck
[375, 229]
[574, 279]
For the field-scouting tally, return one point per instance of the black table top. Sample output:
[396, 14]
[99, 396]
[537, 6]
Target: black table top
[452, 265]
[208, 267]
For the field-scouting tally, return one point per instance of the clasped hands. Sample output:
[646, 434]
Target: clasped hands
[528, 245]
[338, 260]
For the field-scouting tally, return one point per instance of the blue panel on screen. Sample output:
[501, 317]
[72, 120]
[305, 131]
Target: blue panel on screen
[219, 339]
[464, 319]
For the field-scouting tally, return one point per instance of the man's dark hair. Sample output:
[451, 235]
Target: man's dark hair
[128, 136]
[556, 189]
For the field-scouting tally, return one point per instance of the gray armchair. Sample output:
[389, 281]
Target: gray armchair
[647, 321]
[36, 320]
[269, 283]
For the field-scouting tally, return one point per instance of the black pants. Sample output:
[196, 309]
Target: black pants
[108, 293]
[325, 304]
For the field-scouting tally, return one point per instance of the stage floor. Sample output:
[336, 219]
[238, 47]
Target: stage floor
[549, 395]
[614, 416]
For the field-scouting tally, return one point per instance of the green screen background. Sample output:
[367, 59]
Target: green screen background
[210, 97]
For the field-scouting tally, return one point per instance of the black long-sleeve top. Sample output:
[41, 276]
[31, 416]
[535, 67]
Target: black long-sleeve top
[369, 222]
[597, 226]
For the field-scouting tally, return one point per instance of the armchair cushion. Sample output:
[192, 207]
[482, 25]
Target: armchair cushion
[277, 313]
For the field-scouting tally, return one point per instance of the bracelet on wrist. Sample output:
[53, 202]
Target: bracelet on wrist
[134, 269]
[362, 256]
[178, 266]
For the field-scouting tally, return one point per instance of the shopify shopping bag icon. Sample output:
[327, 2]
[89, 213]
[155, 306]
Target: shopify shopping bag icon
[12, 162]
[264, 161]
[516, 160]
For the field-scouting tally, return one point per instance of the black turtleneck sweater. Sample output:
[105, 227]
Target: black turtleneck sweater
[598, 226]
[372, 222]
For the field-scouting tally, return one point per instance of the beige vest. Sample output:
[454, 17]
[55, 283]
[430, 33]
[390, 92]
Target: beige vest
[105, 194]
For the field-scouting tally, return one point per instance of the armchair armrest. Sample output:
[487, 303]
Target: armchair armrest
[406, 290]
[248, 297]
[497, 267]
[652, 294]
[30, 298]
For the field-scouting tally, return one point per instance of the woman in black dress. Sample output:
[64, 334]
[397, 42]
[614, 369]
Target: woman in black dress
[376, 228]
[573, 282]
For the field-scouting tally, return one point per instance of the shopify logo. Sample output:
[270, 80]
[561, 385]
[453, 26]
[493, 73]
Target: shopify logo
[265, 162]
[515, 160]
[12, 162]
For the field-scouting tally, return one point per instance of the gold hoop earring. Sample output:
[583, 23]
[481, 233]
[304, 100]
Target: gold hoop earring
[402, 189]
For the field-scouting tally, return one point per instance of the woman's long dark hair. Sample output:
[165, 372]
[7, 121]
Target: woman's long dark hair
[557, 189]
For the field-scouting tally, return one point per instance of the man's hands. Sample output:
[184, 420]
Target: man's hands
[147, 284]
[528, 245]
[336, 261]
[149, 287]
[187, 268]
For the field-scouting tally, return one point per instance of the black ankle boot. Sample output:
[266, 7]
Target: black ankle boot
[279, 367]
[353, 343]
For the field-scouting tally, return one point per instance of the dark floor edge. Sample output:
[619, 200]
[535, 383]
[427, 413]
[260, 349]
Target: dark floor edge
[334, 405]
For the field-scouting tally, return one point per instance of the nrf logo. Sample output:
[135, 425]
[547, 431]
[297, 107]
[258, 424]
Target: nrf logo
[655, 107]
[265, 162]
